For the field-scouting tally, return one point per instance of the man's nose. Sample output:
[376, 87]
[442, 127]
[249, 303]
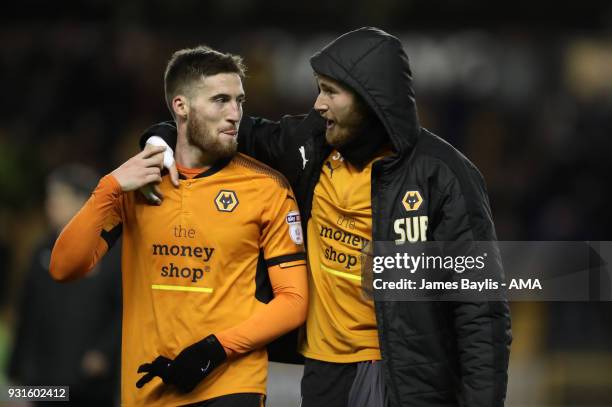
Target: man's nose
[234, 113]
[321, 105]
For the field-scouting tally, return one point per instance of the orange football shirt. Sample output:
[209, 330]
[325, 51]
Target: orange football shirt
[190, 269]
[341, 325]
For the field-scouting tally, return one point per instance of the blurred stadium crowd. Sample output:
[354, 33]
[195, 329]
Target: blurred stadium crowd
[530, 105]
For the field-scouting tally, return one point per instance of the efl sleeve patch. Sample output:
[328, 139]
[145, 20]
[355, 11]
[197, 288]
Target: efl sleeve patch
[295, 227]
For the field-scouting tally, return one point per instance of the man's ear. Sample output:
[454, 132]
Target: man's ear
[180, 106]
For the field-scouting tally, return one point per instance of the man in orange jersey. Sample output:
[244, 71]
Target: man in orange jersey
[197, 308]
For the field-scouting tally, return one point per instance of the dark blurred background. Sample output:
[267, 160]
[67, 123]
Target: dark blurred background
[524, 89]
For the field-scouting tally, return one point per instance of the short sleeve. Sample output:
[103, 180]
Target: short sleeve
[282, 239]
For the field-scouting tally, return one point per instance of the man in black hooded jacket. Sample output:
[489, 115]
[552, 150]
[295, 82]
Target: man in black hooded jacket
[363, 170]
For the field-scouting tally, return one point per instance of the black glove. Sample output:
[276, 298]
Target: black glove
[189, 368]
[160, 367]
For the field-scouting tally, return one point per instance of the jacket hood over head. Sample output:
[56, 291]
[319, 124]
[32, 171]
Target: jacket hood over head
[374, 65]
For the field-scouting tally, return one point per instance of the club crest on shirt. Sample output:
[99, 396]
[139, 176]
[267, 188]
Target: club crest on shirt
[295, 227]
[412, 200]
[226, 201]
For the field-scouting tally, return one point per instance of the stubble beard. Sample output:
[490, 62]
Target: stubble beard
[344, 132]
[199, 136]
[338, 137]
